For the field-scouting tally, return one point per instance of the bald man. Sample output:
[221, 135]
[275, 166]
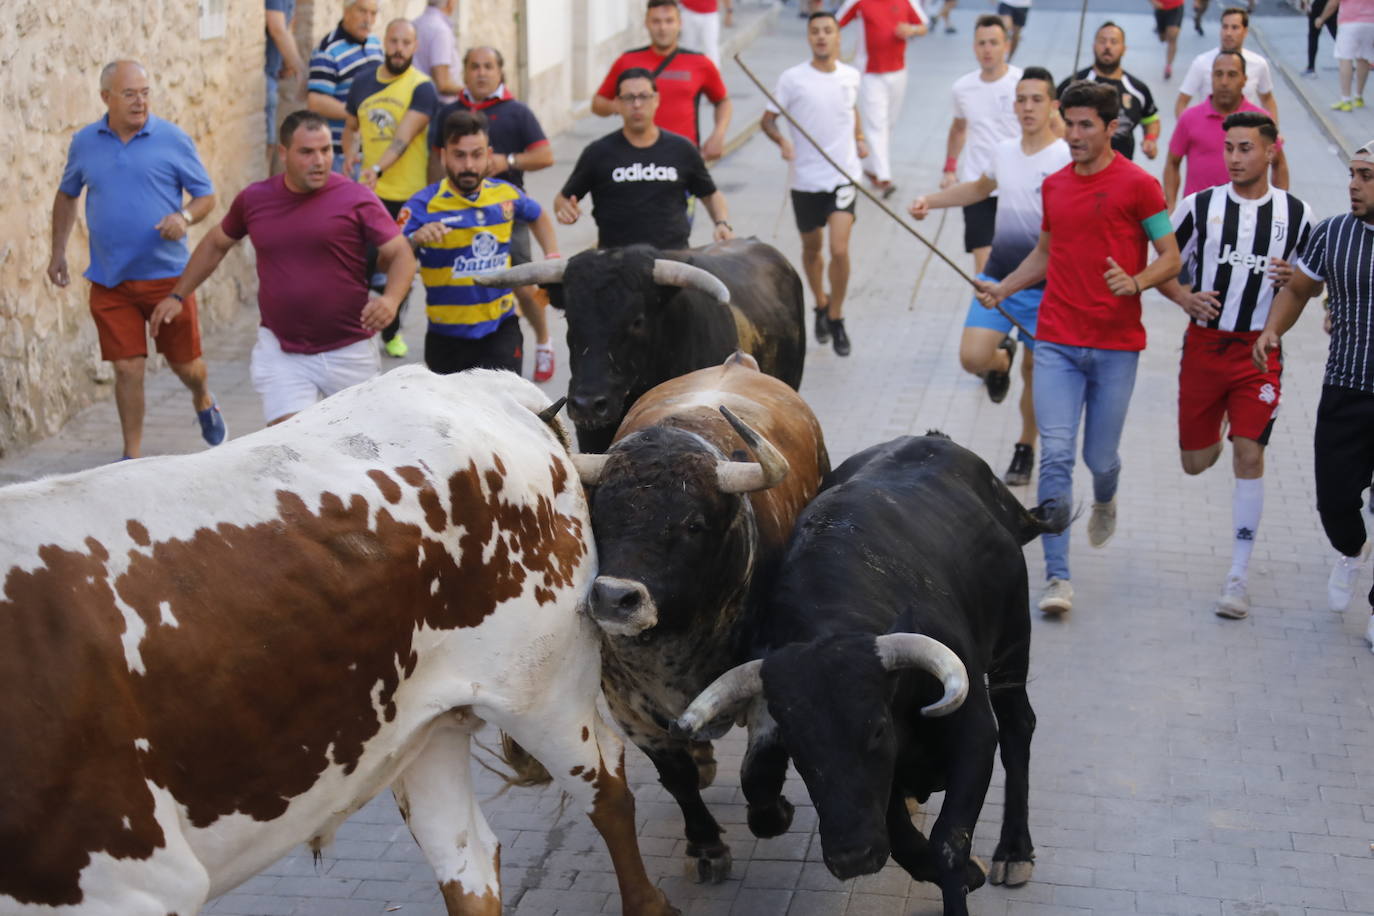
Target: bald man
[138, 171]
[389, 109]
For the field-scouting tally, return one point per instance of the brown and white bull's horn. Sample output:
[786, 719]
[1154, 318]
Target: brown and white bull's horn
[525, 274]
[767, 470]
[725, 695]
[589, 467]
[912, 650]
[679, 273]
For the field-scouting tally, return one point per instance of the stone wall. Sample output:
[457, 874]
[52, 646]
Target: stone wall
[52, 55]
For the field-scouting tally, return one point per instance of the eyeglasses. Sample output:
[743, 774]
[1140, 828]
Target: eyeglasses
[638, 98]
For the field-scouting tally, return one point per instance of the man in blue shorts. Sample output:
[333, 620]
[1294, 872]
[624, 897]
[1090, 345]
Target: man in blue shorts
[1015, 171]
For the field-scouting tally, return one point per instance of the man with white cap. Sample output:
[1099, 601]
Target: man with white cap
[1337, 256]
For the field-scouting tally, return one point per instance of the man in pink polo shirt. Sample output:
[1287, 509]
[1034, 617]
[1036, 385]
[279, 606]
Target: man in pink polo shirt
[1200, 138]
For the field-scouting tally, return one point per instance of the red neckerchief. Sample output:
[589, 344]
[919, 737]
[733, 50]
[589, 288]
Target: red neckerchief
[502, 95]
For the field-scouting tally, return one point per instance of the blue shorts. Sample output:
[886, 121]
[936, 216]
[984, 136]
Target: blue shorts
[1023, 306]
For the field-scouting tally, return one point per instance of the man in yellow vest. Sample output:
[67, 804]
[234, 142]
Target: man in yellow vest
[389, 110]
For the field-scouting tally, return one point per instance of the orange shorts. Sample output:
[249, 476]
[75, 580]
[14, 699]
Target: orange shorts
[121, 316]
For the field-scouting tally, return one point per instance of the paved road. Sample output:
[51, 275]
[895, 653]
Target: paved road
[1183, 764]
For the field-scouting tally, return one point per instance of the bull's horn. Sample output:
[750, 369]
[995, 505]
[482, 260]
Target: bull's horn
[525, 274]
[678, 273]
[548, 413]
[912, 650]
[768, 470]
[589, 467]
[725, 695]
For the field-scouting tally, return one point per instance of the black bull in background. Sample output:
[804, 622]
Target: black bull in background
[638, 316]
[903, 588]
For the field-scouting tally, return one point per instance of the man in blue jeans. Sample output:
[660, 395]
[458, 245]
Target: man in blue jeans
[1101, 213]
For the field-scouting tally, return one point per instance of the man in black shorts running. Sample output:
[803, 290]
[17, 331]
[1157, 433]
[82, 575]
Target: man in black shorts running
[822, 94]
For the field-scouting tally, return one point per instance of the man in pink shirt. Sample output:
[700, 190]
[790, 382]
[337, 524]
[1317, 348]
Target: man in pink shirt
[310, 228]
[1200, 138]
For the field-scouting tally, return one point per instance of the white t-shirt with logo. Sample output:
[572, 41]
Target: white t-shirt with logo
[1019, 206]
[1198, 81]
[823, 103]
[989, 110]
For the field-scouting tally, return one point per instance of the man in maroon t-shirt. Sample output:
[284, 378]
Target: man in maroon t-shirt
[1101, 213]
[683, 75]
[310, 228]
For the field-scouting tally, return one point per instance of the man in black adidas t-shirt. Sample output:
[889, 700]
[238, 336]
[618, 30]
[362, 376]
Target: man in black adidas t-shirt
[639, 177]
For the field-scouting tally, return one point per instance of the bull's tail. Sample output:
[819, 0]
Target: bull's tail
[1049, 517]
[520, 770]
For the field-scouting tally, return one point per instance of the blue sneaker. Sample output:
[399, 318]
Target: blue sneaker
[213, 429]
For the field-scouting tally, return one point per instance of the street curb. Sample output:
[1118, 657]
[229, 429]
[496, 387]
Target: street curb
[1314, 108]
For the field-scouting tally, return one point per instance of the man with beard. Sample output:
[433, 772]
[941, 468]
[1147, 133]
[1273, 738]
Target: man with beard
[1338, 255]
[461, 229]
[391, 107]
[519, 144]
[310, 229]
[1137, 103]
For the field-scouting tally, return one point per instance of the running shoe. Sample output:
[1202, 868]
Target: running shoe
[1234, 603]
[998, 381]
[1102, 523]
[838, 338]
[822, 325]
[1022, 463]
[1357, 102]
[1057, 597]
[1342, 105]
[543, 362]
[1345, 573]
[213, 429]
[396, 347]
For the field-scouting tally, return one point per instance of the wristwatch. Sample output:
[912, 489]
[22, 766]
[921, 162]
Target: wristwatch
[377, 170]
[721, 222]
[510, 161]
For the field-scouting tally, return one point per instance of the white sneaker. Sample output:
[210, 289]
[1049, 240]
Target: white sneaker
[1345, 573]
[1057, 597]
[1102, 523]
[1234, 603]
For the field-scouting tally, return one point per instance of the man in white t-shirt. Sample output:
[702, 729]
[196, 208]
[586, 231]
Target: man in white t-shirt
[984, 115]
[1015, 172]
[1259, 83]
[822, 94]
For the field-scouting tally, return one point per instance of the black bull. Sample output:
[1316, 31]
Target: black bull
[637, 318]
[914, 536]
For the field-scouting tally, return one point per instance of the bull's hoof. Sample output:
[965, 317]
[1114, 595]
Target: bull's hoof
[709, 864]
[1012, 874]
[772, 820]
[704, 757]
[975, 874]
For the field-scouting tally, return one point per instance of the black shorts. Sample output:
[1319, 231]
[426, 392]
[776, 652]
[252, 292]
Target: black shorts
[1018, 14]
[979, 221]
[503, 348]
[813, 208]
[519, 243]
[1165, 19]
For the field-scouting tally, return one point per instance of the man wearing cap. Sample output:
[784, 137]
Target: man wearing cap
[1337, 256]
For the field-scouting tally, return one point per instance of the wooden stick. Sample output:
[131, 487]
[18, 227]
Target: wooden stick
[871, 196]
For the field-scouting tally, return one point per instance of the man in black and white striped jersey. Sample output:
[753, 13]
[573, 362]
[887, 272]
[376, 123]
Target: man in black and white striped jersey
[1339, 255]
[1236, 241]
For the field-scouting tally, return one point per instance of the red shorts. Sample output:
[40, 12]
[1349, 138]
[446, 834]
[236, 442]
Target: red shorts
[1218, 379]
[121, 316]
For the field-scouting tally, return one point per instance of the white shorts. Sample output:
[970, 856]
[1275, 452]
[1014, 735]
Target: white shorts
[290, 382]
[1355, 41]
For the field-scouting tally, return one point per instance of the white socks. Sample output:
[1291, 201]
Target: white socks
[1246, 505]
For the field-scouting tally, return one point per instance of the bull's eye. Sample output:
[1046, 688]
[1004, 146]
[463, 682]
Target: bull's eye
[878, 734]
[695, 525]
[637, 324]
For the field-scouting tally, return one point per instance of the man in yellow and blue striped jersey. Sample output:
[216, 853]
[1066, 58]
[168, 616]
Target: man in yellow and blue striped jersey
[460, 229]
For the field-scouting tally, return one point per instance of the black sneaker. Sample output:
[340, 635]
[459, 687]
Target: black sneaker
[838, 338]
[822, 325]
[999, 382]
[1022, 463]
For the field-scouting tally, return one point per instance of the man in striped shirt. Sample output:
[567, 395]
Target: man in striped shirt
[1338, 254]
[349, 50]
[1237, 240]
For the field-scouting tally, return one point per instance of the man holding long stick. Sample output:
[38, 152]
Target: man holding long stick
[1100, 213]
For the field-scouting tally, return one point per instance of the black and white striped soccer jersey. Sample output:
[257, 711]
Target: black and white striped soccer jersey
[1341, 255]
[1226, 242]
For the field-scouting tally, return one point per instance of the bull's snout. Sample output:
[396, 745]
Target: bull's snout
[622, 607]
[590, 409]
[855, 861]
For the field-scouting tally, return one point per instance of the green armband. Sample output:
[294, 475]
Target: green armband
[1157, 226]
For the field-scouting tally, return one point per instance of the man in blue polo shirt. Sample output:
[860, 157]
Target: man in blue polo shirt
[347, 51]
[137, 170]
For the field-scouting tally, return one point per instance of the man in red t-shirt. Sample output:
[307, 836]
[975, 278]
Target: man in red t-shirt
[311, 229]
[887, 26]
[682, 76]
[1100, 214]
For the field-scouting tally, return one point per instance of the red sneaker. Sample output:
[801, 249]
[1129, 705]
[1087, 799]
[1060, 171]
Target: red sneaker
[543, 362]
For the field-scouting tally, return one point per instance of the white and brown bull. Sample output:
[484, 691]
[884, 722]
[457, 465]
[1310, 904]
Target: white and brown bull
[689, 532]
[206, 660]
